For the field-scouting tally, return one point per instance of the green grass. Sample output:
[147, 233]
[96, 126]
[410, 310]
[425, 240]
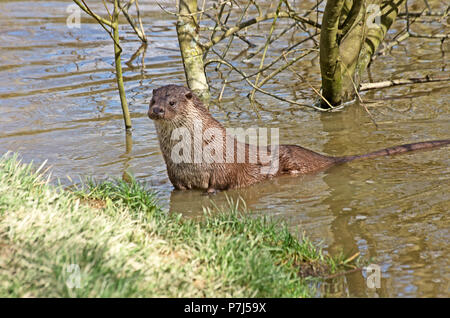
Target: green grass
[125, 245]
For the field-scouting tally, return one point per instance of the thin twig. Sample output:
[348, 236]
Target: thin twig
[139, 32]
[266, 46]
[99, 19]
[360, 99]
[282, 68]
[86, 9]
[265, 92]
[245, 24]
[309, 84]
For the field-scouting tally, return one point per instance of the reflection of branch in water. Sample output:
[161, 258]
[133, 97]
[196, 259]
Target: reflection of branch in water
[142, 49]
[128, 148]
[426, 36]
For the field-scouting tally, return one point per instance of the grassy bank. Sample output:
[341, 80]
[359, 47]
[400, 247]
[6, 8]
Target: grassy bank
[113, 240]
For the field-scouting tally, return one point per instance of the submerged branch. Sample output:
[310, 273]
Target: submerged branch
[384, 84]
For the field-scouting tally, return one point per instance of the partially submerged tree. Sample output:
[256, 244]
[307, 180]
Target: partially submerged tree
[351, 32]
[111, 26]
[345, 33]
[191, 50]
[350, 35]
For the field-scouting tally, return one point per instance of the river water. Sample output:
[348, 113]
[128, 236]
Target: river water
[59, 102]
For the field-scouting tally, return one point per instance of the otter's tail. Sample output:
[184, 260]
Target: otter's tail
[396, 150]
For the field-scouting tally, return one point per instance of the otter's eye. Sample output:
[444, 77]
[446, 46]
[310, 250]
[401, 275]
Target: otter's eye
[171, 103]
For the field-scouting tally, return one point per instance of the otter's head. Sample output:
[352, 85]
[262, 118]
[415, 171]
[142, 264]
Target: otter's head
[170, 102]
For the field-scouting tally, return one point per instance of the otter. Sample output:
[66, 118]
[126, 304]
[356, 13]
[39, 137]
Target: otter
[176, 111]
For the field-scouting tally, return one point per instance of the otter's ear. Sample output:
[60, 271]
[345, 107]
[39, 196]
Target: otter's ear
[188, 95]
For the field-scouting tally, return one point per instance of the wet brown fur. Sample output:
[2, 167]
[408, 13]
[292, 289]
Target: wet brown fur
[214, 176]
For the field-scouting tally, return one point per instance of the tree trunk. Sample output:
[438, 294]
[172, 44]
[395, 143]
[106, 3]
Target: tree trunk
[118, 63]
[351, 32]
[191, 50]
[330, 64]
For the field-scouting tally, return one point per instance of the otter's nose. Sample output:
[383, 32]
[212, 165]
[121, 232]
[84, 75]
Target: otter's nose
[158, 110]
